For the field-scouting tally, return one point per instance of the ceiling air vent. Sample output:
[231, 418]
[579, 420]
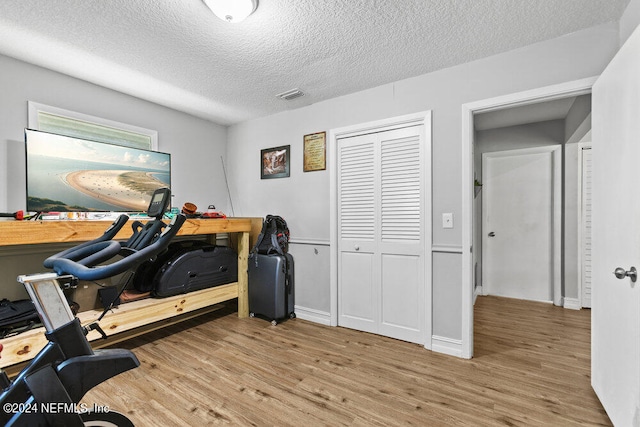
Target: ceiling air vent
[290, 94]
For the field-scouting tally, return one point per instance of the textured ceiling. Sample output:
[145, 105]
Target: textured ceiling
[178, 54]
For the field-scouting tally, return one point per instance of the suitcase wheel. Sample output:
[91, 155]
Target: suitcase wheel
[292, 316]
[252, 314]
[274, 322]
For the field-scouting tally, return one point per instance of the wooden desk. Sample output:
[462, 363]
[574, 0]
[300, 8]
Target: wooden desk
[139, 315]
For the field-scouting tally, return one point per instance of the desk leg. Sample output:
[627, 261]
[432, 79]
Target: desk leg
[243, 277]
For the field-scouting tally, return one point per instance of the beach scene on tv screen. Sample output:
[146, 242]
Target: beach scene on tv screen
[74, 175]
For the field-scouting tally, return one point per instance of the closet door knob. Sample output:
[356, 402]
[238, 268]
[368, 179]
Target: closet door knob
[491, 234]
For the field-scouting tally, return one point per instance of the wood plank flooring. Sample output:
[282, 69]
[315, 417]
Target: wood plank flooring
[531, 367]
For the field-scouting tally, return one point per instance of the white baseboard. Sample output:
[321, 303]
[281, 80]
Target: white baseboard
[572, 303]
[313, 315]
[477, 291]
[446, 345]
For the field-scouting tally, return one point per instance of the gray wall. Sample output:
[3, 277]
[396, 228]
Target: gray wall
[312, 266]
[196, 146]
[516, 137]
[303, 198]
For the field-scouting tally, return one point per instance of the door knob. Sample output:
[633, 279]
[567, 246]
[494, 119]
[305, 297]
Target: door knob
[491, 234]
[621, 273]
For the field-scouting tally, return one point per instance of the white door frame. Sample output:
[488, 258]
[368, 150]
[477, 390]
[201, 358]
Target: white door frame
[421, 118]
[556, 214]
[548, 93]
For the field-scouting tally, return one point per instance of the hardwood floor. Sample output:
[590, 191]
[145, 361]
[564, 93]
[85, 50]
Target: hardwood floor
[531, 367]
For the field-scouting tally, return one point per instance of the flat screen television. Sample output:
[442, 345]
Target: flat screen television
[68, 174]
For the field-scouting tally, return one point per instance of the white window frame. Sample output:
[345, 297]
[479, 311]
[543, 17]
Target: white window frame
[35, 108]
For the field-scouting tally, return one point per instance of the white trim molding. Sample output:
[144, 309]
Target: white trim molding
[449, 249]
[313, 242]
[572, 303]
[477, 291]
[313, 315]
[449, 346]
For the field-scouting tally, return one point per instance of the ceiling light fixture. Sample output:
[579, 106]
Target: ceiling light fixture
[232, 10]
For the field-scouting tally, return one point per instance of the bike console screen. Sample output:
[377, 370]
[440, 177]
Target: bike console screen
[159, 202]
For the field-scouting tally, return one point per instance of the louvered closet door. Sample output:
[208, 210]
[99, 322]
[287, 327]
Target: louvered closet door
[586, 227]
[381, 233]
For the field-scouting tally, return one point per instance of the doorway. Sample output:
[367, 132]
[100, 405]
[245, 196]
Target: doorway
[470, 183]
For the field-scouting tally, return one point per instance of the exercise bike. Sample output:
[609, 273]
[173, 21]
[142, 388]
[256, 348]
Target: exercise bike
[48, 391]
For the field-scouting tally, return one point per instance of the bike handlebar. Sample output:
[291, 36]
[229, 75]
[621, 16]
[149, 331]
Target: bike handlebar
[108, 234]
[81, 261]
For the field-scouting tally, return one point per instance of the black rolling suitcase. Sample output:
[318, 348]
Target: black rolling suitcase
[187, 266]
[271, 286]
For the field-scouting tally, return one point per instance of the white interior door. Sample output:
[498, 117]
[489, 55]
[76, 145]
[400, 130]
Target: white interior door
[615, 312]
[381, 233]
[518, 223]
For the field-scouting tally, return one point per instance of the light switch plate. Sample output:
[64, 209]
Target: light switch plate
[447, 220]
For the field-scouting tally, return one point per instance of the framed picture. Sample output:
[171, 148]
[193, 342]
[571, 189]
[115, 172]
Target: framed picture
[315, 152]
[274, 162]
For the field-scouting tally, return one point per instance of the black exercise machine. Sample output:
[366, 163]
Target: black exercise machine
[48, 391]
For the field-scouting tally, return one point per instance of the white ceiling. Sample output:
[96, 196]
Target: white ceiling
[178, 54]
